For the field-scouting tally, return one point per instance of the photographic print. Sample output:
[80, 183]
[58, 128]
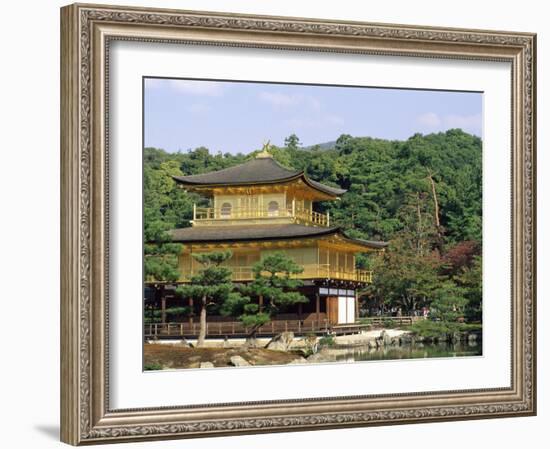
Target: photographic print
[301, 224]
[247, 196]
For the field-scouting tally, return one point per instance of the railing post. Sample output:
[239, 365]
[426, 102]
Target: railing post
[328, 218]
[194, 211]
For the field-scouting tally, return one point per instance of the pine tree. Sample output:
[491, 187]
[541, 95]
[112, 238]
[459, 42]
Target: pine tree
[212, 286]
[274, 283]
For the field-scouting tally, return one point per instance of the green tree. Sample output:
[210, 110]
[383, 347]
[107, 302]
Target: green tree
[406, 275]
[470, 279]
[274, 283]
[388, 182]
[161, 206]
[212, 286]
[292, 142]
[448, 303]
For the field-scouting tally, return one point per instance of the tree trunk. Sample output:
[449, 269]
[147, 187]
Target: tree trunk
[163, 309]
[202, 327]
[436, 203]
[159, 297]
[436, 214]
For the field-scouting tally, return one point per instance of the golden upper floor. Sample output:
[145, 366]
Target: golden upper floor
[259, 191]
[258, 209]
[319, 259]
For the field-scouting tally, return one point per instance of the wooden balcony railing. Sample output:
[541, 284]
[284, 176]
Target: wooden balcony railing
[238, 213]
[311, 271]
[234, 328]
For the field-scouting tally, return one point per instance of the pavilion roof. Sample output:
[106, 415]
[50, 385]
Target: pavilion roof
[260, 170]
[220, 234]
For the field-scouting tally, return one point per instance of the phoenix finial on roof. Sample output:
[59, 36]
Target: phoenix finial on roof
[265, 151]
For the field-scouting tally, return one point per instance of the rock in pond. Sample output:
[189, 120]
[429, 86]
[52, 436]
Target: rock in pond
[237, 360]
[206, 365]
[386, 338]
[299, 361]
[281, 342]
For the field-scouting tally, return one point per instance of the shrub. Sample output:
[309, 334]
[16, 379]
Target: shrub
[388, 323]
[152, 366]
[327, 341]
[439, 329]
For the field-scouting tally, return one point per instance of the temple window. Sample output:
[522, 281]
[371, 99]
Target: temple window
[273, 209]
[225, 210]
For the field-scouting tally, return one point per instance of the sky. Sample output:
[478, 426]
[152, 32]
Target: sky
[238, 117]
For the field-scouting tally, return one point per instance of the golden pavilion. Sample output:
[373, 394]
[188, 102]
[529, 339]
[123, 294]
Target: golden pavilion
[260, 207]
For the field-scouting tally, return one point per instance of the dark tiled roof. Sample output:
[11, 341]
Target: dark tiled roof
[210, 234]
[254, 171]
[327, 189]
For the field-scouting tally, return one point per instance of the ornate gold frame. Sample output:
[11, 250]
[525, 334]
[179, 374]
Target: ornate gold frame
[86, 31]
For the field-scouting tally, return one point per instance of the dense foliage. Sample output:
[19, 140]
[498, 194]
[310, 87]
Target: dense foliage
[212, 286]
[272, 281]
[423, 195]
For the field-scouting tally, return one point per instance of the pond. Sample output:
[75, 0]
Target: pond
[414, 351]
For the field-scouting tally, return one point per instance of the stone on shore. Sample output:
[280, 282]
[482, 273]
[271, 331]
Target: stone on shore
[206, 365]
[281, 342]
[299, 361]
[237, 360]
[386, 339]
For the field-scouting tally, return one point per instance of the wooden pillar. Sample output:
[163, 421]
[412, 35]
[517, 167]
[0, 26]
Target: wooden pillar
[318, 308]
[329, 268]
[356, 306]
[261, 302]
[163, 309]
[191, 313]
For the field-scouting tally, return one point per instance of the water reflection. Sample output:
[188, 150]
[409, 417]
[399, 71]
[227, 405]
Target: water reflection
[415, 351]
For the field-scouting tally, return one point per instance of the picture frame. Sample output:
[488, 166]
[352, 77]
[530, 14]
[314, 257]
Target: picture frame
[87, 31]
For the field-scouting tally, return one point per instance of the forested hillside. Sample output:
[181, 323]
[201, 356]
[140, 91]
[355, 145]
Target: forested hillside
[423, 195]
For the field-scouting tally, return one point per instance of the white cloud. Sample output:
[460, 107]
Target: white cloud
[279, 99]
[469, 123]
[314, 103]
[154, 83]
[315, 121]
[191, 87]
[463, 121]
[300, 122]
[430, 119]
[334, 120]
[198, 108]
[202, 88]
